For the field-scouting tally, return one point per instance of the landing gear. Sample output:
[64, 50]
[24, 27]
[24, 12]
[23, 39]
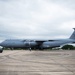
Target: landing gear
[30, 49]
[11, 48]
[41, 48]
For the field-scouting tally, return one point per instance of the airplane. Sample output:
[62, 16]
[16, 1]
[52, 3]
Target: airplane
[36, 44]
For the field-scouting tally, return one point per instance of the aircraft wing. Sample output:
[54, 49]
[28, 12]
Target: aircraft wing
[39, 42]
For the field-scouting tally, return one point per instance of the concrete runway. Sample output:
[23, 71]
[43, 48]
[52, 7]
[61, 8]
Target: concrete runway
[21, 62]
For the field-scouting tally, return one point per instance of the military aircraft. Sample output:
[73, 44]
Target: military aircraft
[37, 44]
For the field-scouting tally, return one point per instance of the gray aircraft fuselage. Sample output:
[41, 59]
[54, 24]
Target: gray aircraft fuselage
[37, 44]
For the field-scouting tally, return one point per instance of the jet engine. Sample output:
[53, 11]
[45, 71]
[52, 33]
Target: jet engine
[1, 49]
[30, 44]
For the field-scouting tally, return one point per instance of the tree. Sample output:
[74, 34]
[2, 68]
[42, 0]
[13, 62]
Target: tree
[68, 47]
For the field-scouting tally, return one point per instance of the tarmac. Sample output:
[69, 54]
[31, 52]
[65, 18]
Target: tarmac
[25, 62]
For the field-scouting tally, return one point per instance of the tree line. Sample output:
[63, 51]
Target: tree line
[68, 47]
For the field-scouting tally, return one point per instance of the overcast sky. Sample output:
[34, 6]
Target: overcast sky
[39, 19]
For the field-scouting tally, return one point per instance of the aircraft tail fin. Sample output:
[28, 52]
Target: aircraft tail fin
[73, 35]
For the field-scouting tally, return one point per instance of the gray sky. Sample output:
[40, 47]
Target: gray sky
[36, 19]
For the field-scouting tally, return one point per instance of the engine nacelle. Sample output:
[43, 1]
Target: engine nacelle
[1, 49]
[30, 44]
